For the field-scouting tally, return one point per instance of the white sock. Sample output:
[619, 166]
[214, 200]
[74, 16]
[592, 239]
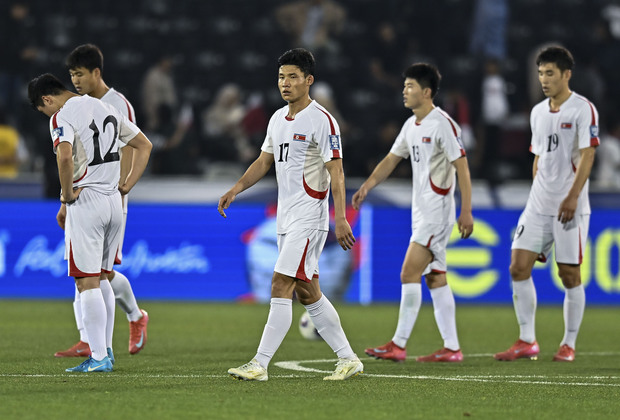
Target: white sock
[278, 323]
[574, 306]
[94, 317]
[410, 302]
[77, 312]
[445, 316]
[125, 297]
[524, 299]
[110, 306]
[327, 323]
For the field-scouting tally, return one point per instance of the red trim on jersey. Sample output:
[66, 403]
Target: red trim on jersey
[332, 129]
[453, 129]
[542, 258]
[574, 167]
[55, 125]
[319, 195]
[117, 259]
[287, 118]
[301, 272]
[594, 141]
[82, 177]
[440, 191]
[129, 114]
[428, 245]
[438, 271]
[73, 270]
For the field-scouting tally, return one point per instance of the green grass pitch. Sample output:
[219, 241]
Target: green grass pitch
[181, 373]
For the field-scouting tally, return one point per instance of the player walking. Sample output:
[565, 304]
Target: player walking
[303, 140]
[431, 139]
[564, 138]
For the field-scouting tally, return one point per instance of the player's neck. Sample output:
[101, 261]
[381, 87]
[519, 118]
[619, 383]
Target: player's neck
[296, 107]
[423, 111]
[556, 101]
[100, 90]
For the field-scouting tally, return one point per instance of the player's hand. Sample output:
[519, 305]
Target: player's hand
[466, 224]
[567, 210]
[70, 197]
[124, 189]
[225, 202]
[359, 197]
[61, 217]
[344, 234]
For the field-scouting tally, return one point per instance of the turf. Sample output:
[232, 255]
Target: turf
[181, 374]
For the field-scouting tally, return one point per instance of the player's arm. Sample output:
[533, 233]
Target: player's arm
[378, 175]
[126, 159]
[343, 230]
[568, 206]
[64, 159]
[141, 152]
[257, 170]
[465, 221]
[535, 167]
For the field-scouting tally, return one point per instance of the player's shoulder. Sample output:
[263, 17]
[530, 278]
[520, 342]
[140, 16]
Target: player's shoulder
[443, 119]
[581, 101]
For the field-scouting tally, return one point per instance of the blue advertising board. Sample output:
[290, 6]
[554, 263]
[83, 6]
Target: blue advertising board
[189, 252]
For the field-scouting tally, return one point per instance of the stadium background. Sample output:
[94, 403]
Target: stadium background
[174, 235]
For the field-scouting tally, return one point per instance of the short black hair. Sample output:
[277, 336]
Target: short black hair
[557, 55]
[88, 56]
[299, 57]
[427, 76]
[46, 84]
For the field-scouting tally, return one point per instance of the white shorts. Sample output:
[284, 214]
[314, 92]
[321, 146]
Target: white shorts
[537, 233]
[119, 254]
[435, 237]
[299, 252]
[92, 233]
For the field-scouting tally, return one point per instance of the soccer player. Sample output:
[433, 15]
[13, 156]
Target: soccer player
[86, 134]
[431, 139]
[564, 138]
[85, 65]
[303, 140]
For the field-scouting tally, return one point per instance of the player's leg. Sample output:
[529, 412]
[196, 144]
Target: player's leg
[416, 260]
[570, 243]
[327, 322]
[278, 323]
[81, 348]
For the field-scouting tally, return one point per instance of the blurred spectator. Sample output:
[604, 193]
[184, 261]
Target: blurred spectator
[313, 24]
[455, 103]
[12, 149]
[386, 52]
[222, 128]
[608, 159]
[175, 151]
[158, 89]
[488, 36]
[495, 110]
[255, 120]
[19, 55]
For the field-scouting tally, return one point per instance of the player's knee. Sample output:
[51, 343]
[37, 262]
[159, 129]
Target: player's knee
[571, 277]
[519, 271]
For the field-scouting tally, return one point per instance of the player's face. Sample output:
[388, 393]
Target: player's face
[413, 93]
[293, 84]
[84, 80]
[552, 80]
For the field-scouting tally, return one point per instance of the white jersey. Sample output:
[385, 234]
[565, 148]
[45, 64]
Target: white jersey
[94, 129]
[118, 101]
[557, 137]
[301, 147]
[432, 145]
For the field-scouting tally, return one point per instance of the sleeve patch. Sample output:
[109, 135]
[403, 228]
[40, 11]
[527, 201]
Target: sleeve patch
[334, 142]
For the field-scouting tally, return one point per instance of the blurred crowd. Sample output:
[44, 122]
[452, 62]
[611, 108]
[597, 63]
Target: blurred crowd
[202, 75]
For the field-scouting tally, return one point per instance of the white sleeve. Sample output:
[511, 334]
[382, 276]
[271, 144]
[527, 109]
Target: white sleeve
[587, 127]
[400, 146]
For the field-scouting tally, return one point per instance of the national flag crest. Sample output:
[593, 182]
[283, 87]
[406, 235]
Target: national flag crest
[426, 139]
[299, 137]
[594, 131]
[566, 125]
[58, 132]
[334, 142]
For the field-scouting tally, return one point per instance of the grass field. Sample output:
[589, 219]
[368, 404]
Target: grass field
[181, 374]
